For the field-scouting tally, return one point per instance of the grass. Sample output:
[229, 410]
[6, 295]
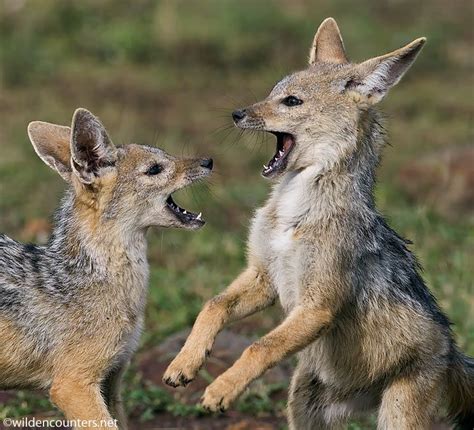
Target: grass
[169, 73]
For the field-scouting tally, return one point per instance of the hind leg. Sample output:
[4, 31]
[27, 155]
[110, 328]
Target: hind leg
[111, 387]
[309, 404]
[81, 399]
[410, 403]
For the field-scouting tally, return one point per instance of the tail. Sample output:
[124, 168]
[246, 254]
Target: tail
[461, 391]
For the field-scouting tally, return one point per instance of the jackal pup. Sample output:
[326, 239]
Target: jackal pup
[369, 333]
[71, 312]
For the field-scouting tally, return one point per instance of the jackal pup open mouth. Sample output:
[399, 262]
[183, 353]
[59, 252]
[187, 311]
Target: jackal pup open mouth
[285, 142]
[184, 216]
[284, 145]
[194, 171]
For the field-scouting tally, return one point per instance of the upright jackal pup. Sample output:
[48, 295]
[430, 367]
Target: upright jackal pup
[71, 312]
[370, 335]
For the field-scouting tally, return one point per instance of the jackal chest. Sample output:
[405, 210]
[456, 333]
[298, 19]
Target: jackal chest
[121, 307]
[279, 250]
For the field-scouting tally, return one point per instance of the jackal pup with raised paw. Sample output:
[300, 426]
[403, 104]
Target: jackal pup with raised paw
[71, 312]
[370, 335]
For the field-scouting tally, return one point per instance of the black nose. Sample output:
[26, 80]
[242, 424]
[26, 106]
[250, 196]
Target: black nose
[207, 163]
[239, 115]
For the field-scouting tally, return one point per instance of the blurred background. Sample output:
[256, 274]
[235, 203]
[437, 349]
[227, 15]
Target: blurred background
[169, 73]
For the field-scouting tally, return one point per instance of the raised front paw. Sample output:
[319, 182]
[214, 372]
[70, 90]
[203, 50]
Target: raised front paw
[183, 369]
[220, 394]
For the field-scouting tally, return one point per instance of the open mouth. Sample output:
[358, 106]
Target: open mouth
[184, 216]
[284, 144]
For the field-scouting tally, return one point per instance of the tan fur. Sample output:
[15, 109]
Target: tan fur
[249, 293]
[56, 139]
[81, 400]
[367, 332]
[83, 296]
[300, 327]
[327, 44]
[420, 395]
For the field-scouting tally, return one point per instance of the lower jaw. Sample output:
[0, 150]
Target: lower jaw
[192, 224]
[274, 173]
[185, 219]
[279, 169]
[195, 224]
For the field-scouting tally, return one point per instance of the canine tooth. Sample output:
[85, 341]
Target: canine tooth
[199, 216]
[265, 167]
[280, 153]
[184, 212]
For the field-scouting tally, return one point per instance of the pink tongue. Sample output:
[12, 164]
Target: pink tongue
[287, 142]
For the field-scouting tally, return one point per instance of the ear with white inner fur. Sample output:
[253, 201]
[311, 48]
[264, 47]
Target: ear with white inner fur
[51, 143]
[373, 78]
[328, 46]
[91, 148]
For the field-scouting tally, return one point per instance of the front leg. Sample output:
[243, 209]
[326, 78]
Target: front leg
[249, 293]
[302, 326]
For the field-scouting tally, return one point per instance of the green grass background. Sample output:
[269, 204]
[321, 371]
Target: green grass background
[170, 72]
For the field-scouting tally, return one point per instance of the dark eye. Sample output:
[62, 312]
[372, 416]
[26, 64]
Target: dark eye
[292, 101]
[154, 170]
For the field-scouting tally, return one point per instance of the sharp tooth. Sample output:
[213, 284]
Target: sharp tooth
[265, 167]
[280, 153]
[199, 216]
[184, 212]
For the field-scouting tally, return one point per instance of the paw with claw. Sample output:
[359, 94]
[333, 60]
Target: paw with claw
[183, 369]
[221, 393]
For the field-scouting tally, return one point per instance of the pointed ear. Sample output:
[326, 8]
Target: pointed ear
[374, 77]
[51, 143]
[328, 46]
[92, 150]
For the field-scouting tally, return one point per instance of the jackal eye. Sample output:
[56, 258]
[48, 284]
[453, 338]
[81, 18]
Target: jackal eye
[292, 101]
[154, 170]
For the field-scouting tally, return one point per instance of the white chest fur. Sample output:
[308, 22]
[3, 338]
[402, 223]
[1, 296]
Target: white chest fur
[283, 266]
[273, 240]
